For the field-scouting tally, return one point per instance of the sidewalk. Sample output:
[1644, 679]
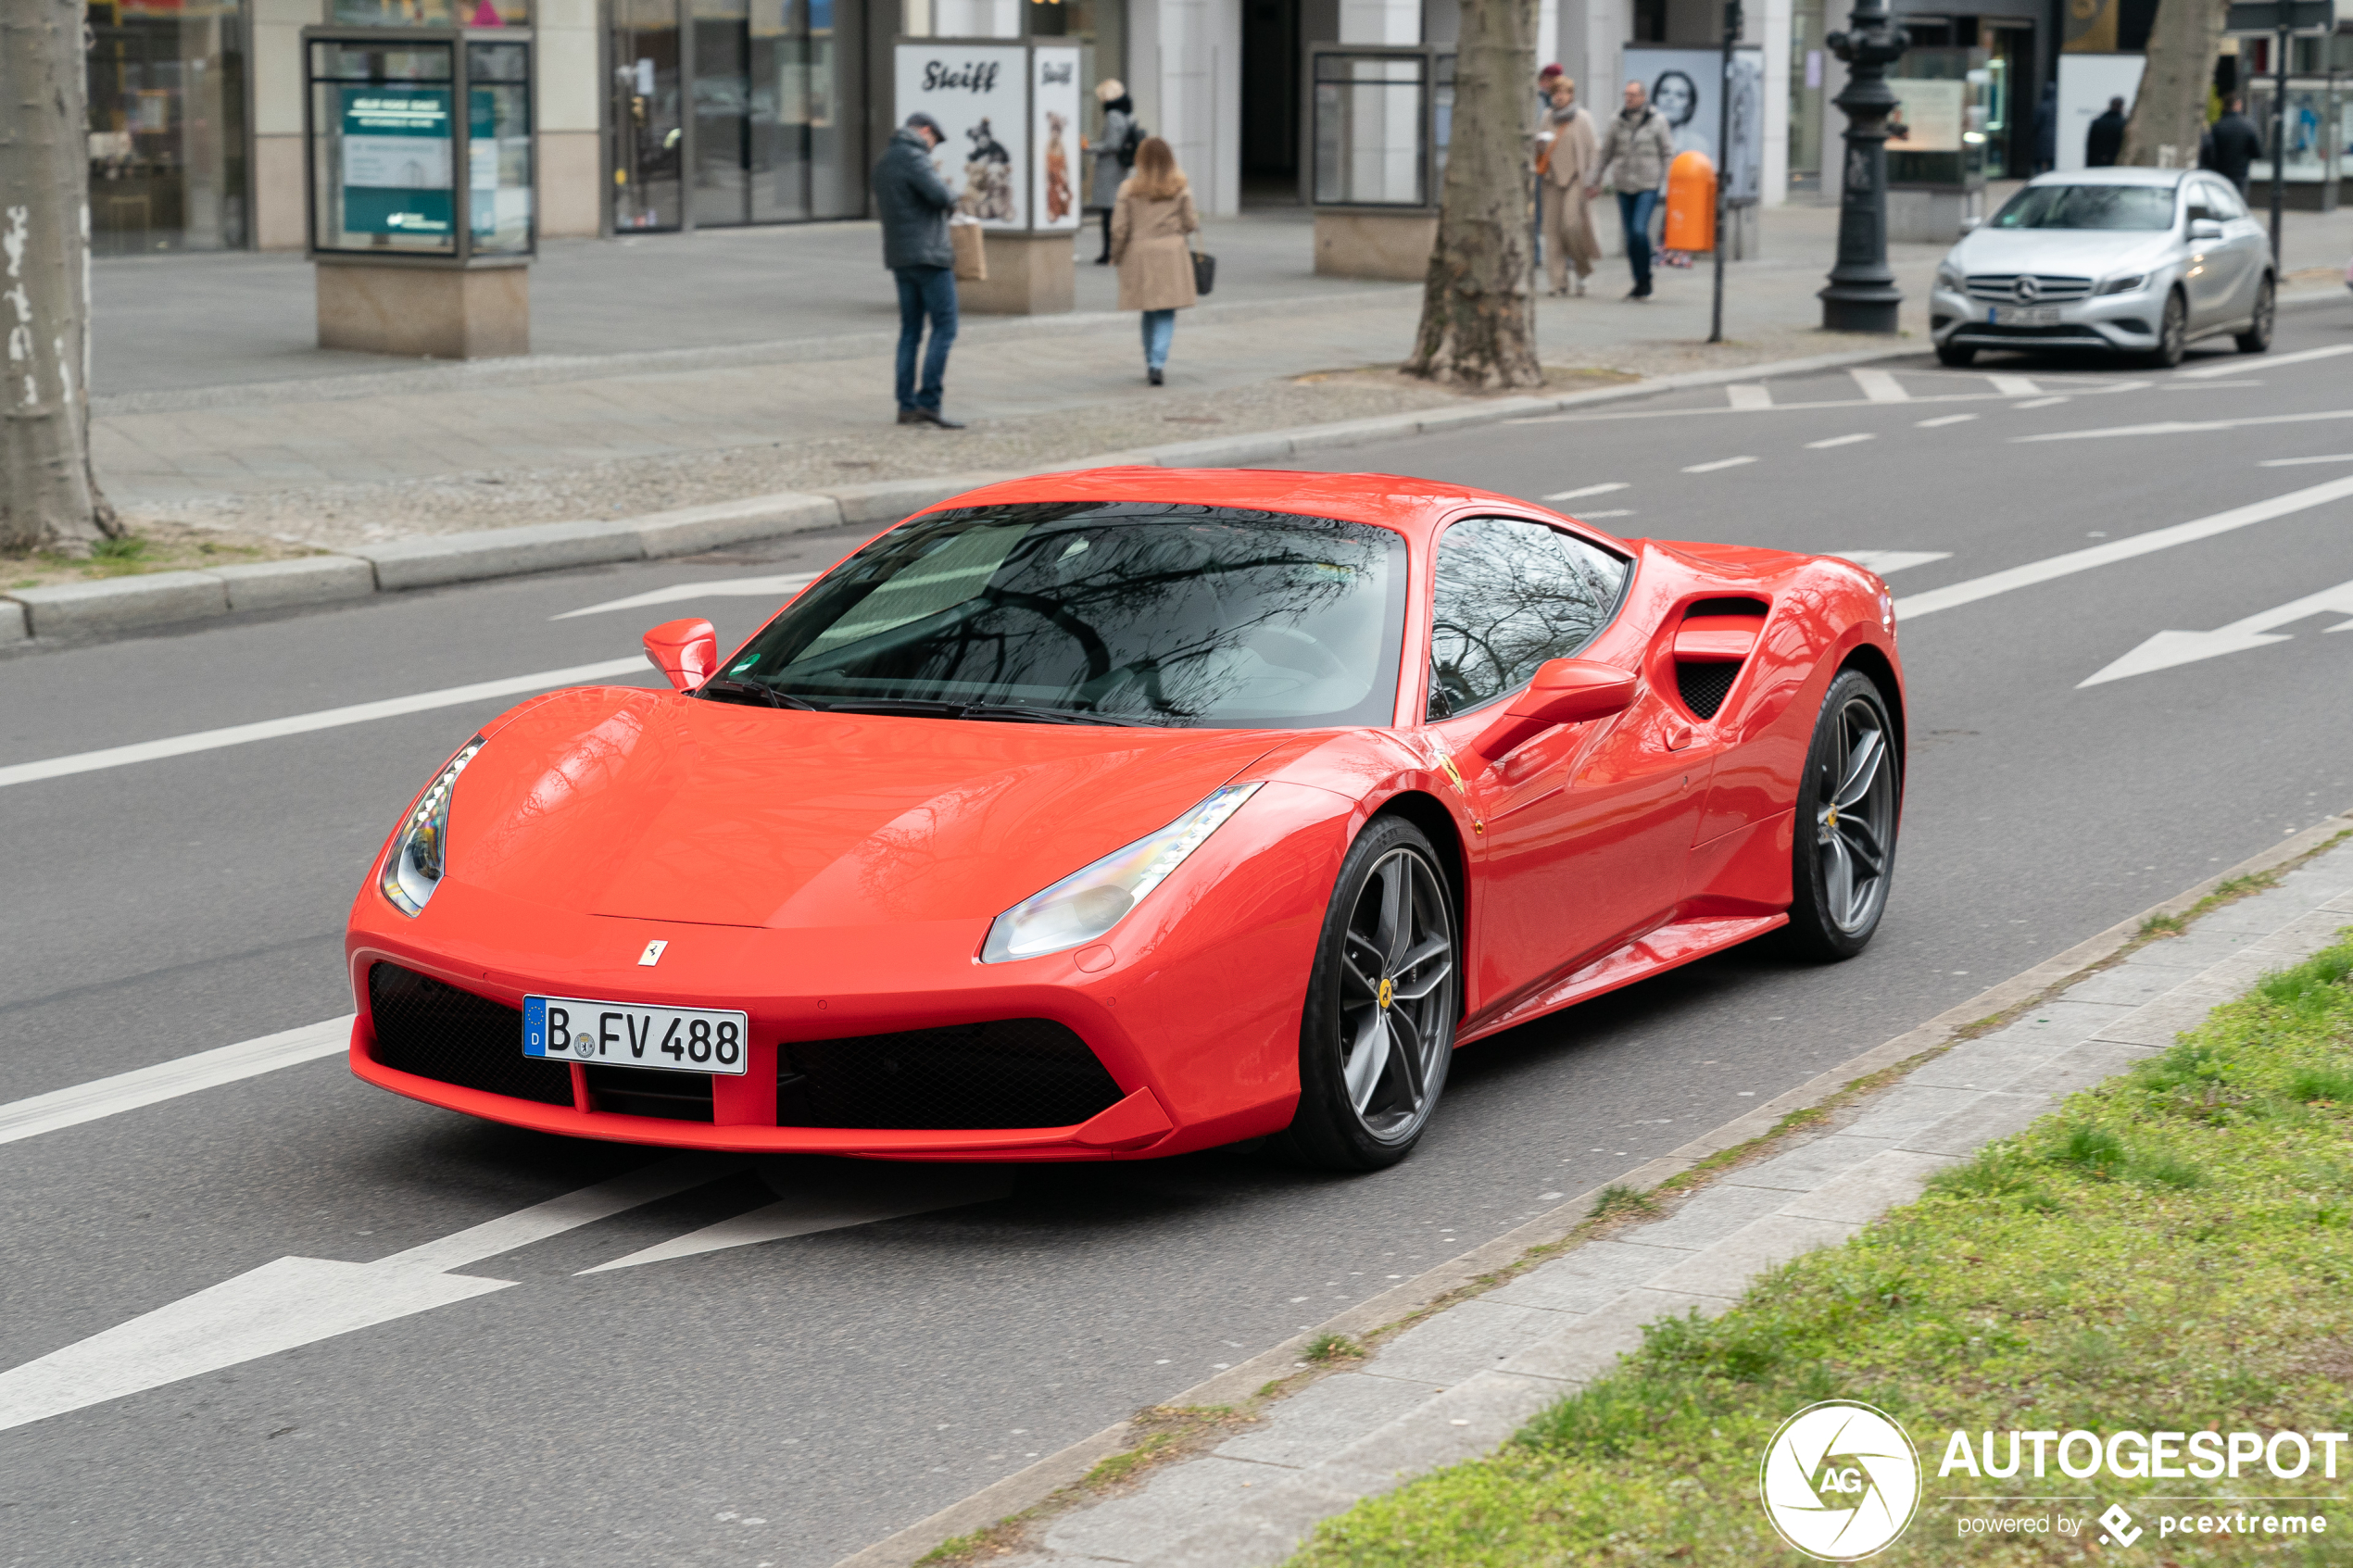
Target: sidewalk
[1461, 1380]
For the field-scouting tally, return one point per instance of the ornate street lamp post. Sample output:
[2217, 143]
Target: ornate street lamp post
[1863, 296]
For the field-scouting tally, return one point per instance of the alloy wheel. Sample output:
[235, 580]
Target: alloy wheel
[1855, 820]
[1396, 994]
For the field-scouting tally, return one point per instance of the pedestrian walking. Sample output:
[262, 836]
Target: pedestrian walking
[1111, 155]
[2231, 143]
[1634, 158]
[2105, 138]
[913, 203]
[1564, 165]
[1148, 242]
[1546, 80]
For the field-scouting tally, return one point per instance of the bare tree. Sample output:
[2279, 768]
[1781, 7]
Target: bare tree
[1478, 312]
[2185, 38]
[48, 495]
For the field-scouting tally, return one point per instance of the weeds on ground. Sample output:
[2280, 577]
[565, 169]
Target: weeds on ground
[2172, 1250]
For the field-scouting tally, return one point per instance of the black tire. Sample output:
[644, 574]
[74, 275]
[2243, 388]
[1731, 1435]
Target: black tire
[1833, 913]
[1352, 1124]
[2172, 333]
[2256, 339]
[1958, 354]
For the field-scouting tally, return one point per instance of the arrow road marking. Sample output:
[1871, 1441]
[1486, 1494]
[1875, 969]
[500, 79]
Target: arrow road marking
[723, 588]
[324, 718]
[1885, 561]
[297, 1301]
[2120, 549]
[2186, 427]
[832, 1196]
[167, 1080]
[2166, 650]
[2235, 365]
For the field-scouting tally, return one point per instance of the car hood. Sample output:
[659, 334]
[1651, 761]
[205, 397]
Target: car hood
[645, 804]
[2091, 253]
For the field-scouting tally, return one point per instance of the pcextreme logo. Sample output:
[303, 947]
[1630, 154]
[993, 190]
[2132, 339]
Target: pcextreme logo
[1840, 1480]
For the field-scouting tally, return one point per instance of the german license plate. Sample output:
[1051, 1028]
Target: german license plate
[2024, 315]
[633, 1034]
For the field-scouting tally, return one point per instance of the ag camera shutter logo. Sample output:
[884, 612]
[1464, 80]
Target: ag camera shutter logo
[1840, 1481]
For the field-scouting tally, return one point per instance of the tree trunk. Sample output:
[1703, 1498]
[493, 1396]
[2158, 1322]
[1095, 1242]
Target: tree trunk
[1479, 310]
[2170, 111]
[48, 496]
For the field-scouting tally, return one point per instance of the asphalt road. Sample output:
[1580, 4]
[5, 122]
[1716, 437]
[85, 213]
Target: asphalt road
[787, 1403]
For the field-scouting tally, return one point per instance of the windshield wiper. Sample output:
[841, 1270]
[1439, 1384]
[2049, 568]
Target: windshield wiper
[1011, 712]
[725, 689]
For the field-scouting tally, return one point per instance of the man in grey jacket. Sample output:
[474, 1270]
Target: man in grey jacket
[1635, 152]
[914, 204]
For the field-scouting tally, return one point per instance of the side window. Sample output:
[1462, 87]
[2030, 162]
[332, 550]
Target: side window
[1510, 595]
[2199, 197]
[2225, 202]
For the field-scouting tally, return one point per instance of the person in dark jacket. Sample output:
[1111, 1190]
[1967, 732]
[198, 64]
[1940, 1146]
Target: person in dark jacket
[914, 204]
[2106, 139]
[2231, 143]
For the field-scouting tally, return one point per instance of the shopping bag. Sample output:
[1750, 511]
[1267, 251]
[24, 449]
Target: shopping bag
[972, 257]
[1204, 272]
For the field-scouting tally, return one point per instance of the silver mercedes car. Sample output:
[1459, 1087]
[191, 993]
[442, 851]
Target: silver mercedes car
[2139, 261]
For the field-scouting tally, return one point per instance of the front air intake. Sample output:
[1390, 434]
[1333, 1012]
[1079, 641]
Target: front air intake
[452, 1037]
[1011, 1072]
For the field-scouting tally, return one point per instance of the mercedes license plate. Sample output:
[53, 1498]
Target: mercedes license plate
[633, 1034]
[2024, 315]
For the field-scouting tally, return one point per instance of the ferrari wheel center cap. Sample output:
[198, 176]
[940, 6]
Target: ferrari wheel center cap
[1832, 821]
[1388, 992]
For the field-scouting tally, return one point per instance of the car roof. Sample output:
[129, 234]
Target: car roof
[2121, 176]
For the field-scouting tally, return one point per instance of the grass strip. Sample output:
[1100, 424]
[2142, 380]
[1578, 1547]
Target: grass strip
[2170, 1249]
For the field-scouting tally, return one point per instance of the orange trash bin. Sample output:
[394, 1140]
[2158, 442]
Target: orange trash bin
[1691, 202]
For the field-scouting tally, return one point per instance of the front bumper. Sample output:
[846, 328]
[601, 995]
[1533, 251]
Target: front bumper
[2123, 324]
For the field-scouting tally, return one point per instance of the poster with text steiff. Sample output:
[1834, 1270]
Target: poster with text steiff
[1053, 136]
[978, 92]
[397, 164]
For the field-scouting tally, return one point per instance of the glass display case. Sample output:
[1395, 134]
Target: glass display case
[2320, 136]
[1379, 118]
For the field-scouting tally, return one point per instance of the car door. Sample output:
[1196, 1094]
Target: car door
[2250, 245]
[1585, 829]
[2213, 275]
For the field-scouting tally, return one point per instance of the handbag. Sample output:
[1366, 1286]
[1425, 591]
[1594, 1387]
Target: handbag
[972, 258]
[1204, 272]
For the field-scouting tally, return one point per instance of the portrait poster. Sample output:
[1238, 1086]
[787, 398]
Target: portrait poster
[978, 92]
[1059, 177]
[1927, 114]
[1686, 85]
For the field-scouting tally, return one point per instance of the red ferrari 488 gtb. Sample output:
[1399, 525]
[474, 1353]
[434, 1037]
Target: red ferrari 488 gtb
[1120, 813]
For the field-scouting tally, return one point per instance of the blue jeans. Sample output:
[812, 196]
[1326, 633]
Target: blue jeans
[1634, 209]
[1160, 329]
[924, 291]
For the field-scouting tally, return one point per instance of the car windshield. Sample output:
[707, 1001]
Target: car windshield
[1125, 613]
[2145, 207]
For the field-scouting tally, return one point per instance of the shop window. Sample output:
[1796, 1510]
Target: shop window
[431, 13]
[167, 143]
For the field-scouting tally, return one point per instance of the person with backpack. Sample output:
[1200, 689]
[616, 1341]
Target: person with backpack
[1147, 242]
[1115, 154]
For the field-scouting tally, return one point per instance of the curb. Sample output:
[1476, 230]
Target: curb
[1033, 1484]
[117, 606]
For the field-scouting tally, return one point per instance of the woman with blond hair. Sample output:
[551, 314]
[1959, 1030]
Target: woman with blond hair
[1147, 229]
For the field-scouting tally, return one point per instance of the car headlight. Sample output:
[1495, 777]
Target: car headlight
[1949, 277]
[2124, 285]
[420, 850]
[1084, 904]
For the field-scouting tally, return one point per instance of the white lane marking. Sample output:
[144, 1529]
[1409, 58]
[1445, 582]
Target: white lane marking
[2040, 402]
[2185, 427]
[2299, 462]
[1944, 420]
[1879, 386]
[297, 1301]
[721, 588]
[2014, 386]
[833, 1198]
[1748, 395]
[303, 723]
[2237, 365]
[2211, 386]
[1838, 441]
[167, 1080]
[1596, 517]
[1588, 490]
[1719, 463]
[2166, 650]
[1885, 561]
[2115, 550]
[2087, 389]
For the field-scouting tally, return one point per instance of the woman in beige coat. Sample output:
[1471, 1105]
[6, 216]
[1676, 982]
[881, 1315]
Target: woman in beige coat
[1147, 229]
[1567, 162]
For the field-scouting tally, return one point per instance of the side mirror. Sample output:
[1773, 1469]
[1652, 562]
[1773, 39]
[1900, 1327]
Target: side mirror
[687, 651]
[2205, 229]
[1565, 691]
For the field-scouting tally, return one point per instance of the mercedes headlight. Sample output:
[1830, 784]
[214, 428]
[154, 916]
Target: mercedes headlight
[420, 850]
[1086, 904]
[2124, 285]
